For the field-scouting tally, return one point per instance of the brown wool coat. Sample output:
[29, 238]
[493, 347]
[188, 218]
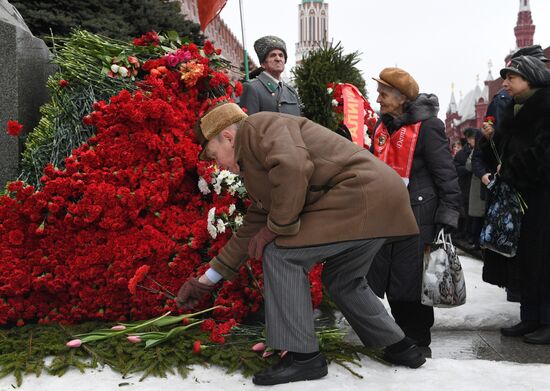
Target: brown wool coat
[312, 187]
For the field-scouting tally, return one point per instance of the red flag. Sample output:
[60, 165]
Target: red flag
[208, 10]
[354, 113]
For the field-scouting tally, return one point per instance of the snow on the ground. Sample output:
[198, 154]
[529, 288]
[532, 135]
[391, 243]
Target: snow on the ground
[436, 375]
[486, 308]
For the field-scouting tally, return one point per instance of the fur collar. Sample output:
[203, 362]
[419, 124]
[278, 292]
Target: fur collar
[424, 107]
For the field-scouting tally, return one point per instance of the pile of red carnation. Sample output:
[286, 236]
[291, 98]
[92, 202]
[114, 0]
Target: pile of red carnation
[128, 198]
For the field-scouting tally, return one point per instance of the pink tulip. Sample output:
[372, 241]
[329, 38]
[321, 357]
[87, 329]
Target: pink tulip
[267, 353]
[134, 338]
[118, 327]
[259, 347]
[75, 343]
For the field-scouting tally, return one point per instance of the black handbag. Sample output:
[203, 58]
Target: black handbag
[502, 224]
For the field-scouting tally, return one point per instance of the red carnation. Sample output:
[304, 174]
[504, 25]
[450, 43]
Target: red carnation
[238, 88]
[489, 119]
[140, 274]
[87, 120]
[14, 128]
[16, 237]
[209, 48]
[63, 83]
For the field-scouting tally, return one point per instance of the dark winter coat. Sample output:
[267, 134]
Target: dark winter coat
[476, 204]
[433, 182]
[464, 175]
[497, 107]
[523, 142]
[434, 195]
[479, 166]
[264, 94]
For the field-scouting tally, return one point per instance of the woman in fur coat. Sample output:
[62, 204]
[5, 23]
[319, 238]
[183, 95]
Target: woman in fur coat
[523, 143]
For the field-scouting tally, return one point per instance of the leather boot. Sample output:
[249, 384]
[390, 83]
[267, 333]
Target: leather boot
[415, 319]
[411, 357]
[540, 337]
[290, 370]
[520, 329]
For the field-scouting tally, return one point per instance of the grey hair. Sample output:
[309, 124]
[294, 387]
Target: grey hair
[394, 91]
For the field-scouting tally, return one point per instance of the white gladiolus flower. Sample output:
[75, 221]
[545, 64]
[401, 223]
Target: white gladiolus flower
[114, 68]
[217, 187]
[231, 209]
[329, 91]
[203, 186]
[210, 223]
[230, 179]
[334, 102]
[212, 214]
[212, 231]
[223, 174]
[238, 221]
[220, 226]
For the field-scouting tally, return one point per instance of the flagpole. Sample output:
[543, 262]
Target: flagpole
[245, 54]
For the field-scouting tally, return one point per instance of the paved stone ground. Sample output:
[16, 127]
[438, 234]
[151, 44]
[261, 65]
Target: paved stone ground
[480, 344]
[486, 345]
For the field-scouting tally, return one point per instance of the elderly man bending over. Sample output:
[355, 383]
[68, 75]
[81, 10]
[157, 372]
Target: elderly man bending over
[316, 197]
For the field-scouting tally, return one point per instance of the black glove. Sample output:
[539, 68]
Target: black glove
[191, 292]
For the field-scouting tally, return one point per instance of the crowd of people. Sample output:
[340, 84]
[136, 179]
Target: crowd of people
[370, 215]
[513, 146]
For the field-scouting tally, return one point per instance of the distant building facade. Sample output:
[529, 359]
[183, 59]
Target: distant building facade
[312, 27]
[222, 37]
[470, 112]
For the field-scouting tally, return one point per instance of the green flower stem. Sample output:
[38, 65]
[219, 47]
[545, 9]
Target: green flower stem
[131, 328]
[157, 337]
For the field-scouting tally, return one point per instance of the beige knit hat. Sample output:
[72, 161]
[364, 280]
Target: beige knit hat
[216, 120]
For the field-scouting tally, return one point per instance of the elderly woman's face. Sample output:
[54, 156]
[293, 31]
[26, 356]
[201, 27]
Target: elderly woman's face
[514, 84]
[390, 100]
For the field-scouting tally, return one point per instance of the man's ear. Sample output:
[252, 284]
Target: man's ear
[229, 135]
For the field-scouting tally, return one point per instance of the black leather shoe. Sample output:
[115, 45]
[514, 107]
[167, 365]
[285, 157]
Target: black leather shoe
[411, 357]
[520, 329]
[540, 337]
[290, 370]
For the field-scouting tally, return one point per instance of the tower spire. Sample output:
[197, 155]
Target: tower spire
[525, 29]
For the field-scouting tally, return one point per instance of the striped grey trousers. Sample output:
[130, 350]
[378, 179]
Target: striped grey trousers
[289, 313]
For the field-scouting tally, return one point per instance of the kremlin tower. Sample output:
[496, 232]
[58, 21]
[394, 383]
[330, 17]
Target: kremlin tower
[525, 29]
[312, 28]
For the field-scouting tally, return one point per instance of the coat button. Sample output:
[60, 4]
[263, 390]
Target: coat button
[420, 198]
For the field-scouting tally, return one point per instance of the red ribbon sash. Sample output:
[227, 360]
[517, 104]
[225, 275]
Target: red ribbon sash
[354, 113]
[397, 150]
